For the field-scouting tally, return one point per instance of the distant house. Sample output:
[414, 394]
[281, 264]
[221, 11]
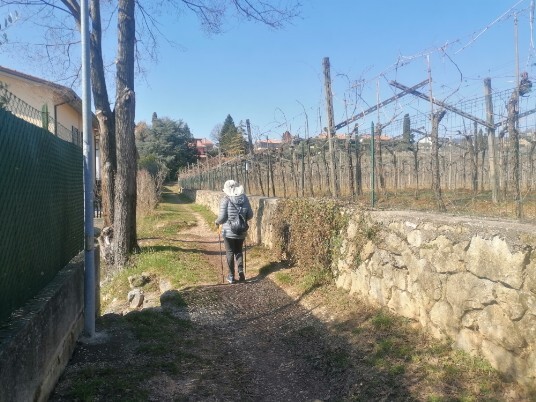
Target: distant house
[203, 147]
[527, 139]
[38, 101]
[367, 137]
[324, 136]
[425, 140]
[268, 144]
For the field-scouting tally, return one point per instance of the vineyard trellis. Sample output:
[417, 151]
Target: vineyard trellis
[485, 150]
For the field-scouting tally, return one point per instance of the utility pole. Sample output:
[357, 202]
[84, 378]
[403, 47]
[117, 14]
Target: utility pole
[89, 235]
[330, 127]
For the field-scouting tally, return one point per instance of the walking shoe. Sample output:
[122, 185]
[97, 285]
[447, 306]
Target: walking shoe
[231, 279]
[241, 277]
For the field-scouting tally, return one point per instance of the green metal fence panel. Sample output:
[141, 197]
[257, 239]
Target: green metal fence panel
[41, 209]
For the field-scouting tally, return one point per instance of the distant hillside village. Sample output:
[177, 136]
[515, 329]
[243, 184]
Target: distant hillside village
[206, 147]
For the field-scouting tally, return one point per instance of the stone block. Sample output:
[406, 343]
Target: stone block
[415, 238]
[469, 341]
[393, 244]
[493, 259]
[496, 327]
[444, 255]
[503, 360]
[359, 283]
[135, 298]
[510, 301]
[441, 317]
[377, 291]
[402, 303]
[466, 292]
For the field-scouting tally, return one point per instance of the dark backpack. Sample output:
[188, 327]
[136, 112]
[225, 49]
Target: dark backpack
[239, 224]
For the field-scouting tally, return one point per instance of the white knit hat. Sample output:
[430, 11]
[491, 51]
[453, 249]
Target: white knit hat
[232, 188]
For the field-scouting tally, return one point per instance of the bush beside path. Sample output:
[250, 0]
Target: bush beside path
[279, 337]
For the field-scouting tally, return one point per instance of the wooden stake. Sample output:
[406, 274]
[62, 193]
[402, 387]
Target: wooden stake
[330, 127]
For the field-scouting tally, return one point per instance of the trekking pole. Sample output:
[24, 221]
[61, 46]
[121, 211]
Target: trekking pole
[245, 257]
[221, 257]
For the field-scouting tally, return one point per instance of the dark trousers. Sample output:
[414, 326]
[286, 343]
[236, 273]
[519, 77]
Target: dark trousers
[233, 249]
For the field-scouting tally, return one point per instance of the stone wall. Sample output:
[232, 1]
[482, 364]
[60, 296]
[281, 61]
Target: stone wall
[469, 280]
[38, 341]
[472, 281]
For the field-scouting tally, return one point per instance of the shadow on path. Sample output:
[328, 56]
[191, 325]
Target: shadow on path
[243, 342]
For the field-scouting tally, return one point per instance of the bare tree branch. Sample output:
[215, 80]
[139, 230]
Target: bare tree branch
[40, 3]
[266, 13]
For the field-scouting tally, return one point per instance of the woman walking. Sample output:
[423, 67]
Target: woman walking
[234, 203]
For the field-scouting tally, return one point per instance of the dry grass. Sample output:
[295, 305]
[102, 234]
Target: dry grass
[459, 202]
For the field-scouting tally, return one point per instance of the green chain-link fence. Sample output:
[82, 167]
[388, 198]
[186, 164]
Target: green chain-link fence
[41, 207]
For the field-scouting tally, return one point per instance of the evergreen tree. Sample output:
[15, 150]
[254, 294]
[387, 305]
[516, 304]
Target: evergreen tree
[167, 141]
[231, 138]
[408, 138]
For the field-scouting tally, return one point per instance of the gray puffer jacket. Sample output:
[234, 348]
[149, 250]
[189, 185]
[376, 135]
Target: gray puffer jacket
[228, 211]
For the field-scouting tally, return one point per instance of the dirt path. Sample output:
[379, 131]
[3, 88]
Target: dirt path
[241, 342]
[262, 344]
[248, 342]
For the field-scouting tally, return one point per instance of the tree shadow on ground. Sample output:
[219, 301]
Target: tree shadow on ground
[195, 250]
[254, 342]
[248, 342]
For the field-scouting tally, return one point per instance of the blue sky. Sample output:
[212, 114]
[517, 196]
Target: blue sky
[274, 77]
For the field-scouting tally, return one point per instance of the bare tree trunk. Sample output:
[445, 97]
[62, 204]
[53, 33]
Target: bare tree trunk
[310, 167]
[415, 152]
[302, 163]
[125, 180]
[395, 168]
[268, 171]
[473, 162]
[436, 185]
[259, 172]
[380, 184]
[283, 172]
[271, 164]
[504, 166]
[350, 168]
[530, 184]
[358, 170]
[326, 166]
[293, 169]
[511, 121]
[482, 169]
[475, 158]
[320, 177]
[492, 145]
[105, 116]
